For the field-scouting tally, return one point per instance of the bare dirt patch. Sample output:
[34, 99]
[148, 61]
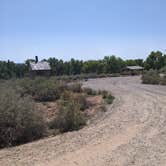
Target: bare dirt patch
[50, 109]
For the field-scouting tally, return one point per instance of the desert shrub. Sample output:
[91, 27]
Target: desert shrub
[104, 93]
[109, 99]
[75, 87]
[102, 75]
[89, 91]
[151, 77]
[163, 80]
[67, 95]
[41, 89]
[125, 73]
[46, 91]
[69, 118]
[71, 78]
[24, 86]
[135, 72]
[106, 96]
[19, 122]
[80, 99]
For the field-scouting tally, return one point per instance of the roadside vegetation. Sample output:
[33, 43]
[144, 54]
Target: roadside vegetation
[69, 117]
[107, 96]
[22, 121]
[154, 77]
[156, 69]
[19, 121]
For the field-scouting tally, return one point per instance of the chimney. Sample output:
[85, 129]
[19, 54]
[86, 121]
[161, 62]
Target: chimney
[36, 59]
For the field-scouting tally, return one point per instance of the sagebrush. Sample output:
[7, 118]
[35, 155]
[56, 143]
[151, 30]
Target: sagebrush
[19, 121]
[69, 118]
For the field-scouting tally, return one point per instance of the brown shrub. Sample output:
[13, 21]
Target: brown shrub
[80, 99]
[69, 118]
[151, 77]
[19, 122]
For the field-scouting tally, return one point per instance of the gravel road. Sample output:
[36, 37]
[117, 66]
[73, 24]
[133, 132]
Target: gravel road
[132, 132]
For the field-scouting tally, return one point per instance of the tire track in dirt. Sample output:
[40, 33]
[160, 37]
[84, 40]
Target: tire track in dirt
[86, 159]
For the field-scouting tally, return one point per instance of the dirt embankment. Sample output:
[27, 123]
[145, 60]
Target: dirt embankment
[131, 132]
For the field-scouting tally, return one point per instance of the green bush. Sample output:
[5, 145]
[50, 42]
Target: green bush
[41, 89]
[19, 122]
[150, 77]
[106, 96]
[104, 93]
[69, 118]
[89, 91]
[109, 99]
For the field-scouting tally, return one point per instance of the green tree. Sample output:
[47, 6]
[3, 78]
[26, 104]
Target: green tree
[155, 60]
[113, 64]
[75, 66]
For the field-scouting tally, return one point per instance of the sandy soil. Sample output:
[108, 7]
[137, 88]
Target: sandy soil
[131, 132]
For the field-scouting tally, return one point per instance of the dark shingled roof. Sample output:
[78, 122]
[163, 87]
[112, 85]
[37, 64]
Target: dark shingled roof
[40, 66]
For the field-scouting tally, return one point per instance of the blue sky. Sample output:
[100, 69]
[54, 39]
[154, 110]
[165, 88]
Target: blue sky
[81, 29]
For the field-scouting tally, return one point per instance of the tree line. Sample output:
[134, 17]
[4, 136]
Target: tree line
[109, 64]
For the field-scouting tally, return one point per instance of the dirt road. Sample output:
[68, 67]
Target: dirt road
[131, 132]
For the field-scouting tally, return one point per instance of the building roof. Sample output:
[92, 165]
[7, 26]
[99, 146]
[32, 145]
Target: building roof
[134, 67]
[40, 66]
